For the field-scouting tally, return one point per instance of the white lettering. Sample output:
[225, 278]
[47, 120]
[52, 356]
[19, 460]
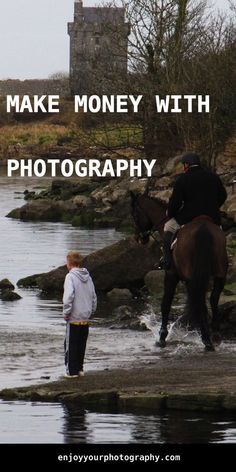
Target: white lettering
[163, 104]
[94, 104]
[176, 108]
[149, 166]
[67, 168]
[203, 103]
[81, 168]
[53, 163]
[81, 102]
[135, 102]
[121, 166]
[94, 166]
[190, 99]
[40, 163]
[13, 102]
[108, 169]
[12, 166]
[34, 104]
[122, 104]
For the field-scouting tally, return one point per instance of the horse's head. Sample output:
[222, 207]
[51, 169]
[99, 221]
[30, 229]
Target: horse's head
[143, 223]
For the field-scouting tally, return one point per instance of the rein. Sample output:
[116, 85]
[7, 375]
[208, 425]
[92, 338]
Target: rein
[151, 232]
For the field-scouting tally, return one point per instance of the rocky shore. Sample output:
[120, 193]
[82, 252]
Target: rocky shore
[126, 281]
[205, 383]
[105, 202]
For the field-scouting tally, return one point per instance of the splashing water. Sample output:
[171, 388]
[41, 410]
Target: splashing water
[181, 341]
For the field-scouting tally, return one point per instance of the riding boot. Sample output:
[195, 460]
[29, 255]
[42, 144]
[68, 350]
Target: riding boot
[167, 257]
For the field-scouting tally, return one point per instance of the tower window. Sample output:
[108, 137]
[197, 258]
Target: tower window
[97, 40]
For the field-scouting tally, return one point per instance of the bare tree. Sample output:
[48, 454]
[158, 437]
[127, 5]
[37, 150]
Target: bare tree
[176, 47]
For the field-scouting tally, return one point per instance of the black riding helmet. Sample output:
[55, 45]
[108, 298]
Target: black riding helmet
[191, 158]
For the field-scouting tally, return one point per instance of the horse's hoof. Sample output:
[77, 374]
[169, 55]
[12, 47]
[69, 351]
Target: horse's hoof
[161, 343]
[209, 348]
[216, 338]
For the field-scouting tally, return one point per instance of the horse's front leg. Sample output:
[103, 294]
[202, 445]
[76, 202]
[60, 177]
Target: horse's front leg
[214, 301]
[170, 284]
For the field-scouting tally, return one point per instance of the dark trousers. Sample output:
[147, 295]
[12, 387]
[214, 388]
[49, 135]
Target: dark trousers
[75, 345]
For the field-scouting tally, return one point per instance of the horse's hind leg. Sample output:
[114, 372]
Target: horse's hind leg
[214, 300]
[199, 315]
[170, 283]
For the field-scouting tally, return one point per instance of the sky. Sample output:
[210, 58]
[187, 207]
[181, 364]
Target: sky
[33, 36]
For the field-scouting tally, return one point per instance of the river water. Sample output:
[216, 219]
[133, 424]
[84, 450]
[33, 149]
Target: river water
[31, 348]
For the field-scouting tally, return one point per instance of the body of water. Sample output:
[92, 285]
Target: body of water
[32, 334]
[55, 423]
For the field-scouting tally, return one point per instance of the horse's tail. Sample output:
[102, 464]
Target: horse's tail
[201, 273]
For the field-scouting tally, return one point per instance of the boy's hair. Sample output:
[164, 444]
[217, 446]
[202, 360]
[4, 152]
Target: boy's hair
[75, 258]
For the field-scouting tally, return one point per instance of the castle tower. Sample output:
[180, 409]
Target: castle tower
[98, 47]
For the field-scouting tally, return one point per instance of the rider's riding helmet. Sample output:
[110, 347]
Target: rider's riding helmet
[191, 158]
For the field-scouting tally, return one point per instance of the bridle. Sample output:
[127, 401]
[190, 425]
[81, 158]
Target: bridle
[150, 232]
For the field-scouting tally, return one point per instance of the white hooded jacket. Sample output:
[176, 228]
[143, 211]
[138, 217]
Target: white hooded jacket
[79, 299]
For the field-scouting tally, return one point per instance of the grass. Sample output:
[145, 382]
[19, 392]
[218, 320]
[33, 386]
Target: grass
[45, 135]
[115, 136]
[66, 128]
[31, 134]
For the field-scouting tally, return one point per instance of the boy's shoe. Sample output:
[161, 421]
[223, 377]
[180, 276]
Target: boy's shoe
[81, 373]
[68, 376]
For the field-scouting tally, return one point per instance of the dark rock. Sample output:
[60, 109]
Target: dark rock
[29, 282]
[154, 281]
[37, 210]
[127, 318]
[10, 296]
[121, 265]
[62, 186]
[116, 295]
[122, 312]
[153, 402]
[6, 284]
[53, 281]
[203, 402]
[29, 195]
[14, 214]
[43, 210]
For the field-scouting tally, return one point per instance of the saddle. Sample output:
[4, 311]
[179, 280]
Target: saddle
[200, 217]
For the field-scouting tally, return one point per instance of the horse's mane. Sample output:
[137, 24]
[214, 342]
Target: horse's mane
[155, 200]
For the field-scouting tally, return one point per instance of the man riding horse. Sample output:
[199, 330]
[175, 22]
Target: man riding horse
[196, 192]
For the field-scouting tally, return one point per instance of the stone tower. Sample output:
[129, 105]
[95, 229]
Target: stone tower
[98, 48]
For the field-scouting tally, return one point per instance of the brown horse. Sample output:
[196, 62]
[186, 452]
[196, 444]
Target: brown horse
[198, 256]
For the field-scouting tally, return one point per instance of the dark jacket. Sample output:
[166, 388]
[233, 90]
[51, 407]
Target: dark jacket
[197, 192]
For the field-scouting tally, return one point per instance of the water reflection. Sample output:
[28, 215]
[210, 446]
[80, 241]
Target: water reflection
[38, 423]
[173, 427]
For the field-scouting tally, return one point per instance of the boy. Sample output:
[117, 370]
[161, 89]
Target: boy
[79, 302]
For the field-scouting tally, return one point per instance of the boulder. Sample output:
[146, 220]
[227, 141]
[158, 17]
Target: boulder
[163, 195]
[138, 185]
[126, 318]
[67, 187]
[117, 295]
[123, 312]
[121, 265]
[9, 296]
[82, 201]
[154, 281]
[43, 210]
[6, 284]
[232, 270]
[174, 165]
[53, 281]
[29, 282]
